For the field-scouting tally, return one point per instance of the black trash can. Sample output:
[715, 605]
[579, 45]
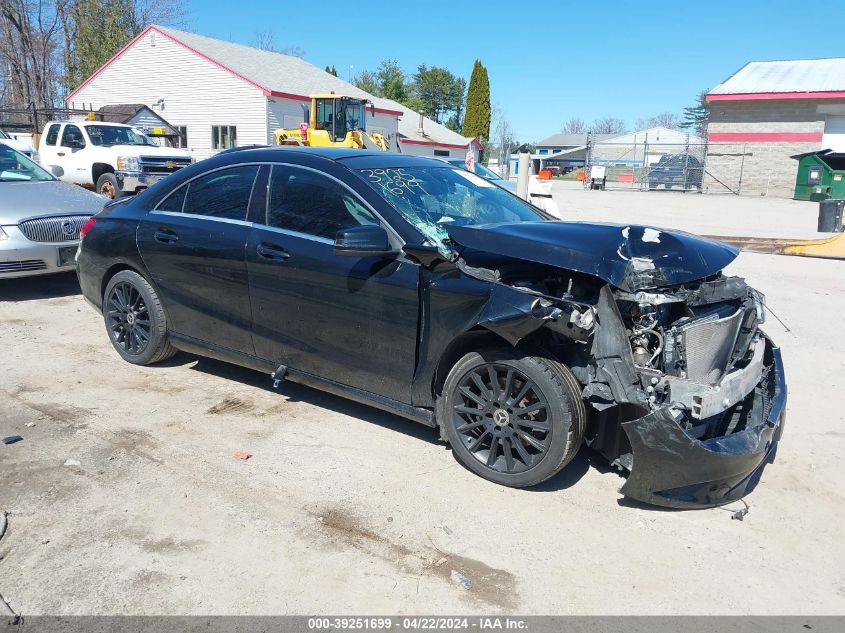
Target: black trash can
[830, 216]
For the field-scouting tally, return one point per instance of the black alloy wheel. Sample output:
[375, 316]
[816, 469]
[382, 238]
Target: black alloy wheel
[502, 418]
[128, 318]
[135, 320]
[511, 417]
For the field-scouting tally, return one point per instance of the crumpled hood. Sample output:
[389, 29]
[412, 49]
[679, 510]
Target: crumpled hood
[630, 257]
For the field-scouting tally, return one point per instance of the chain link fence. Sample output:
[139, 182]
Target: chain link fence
[692, 165]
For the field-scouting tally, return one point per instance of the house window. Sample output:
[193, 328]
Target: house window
[181, 141]
[223, 136]
[441, 152]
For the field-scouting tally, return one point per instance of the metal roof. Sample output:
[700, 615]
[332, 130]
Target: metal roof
[571, 140]
[791, 76]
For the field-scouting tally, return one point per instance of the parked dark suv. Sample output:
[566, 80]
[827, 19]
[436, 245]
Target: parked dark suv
[684, 171]
[425, 290]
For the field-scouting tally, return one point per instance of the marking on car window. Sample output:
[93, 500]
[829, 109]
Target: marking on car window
[396, 182]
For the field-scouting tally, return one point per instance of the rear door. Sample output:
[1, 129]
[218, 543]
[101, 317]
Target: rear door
[352, 320]
[193, 245]
[48, 146]
[72, 156]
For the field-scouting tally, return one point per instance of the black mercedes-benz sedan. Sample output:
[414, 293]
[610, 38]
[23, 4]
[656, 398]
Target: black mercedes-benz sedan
[425, 290]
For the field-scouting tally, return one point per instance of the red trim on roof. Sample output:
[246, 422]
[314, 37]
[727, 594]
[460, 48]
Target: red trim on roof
[768, 96]
[765, 137]
[290, 95]
[408, 141]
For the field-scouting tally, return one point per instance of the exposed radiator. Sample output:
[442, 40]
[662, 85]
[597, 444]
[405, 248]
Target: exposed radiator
[702, 346]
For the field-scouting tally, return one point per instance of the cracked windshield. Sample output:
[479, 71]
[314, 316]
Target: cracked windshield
[433, 198]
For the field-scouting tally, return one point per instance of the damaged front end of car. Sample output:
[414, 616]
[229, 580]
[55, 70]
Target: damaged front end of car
[687, 394]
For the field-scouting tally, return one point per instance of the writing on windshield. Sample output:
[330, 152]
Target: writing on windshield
[433, 198]
[115, 135]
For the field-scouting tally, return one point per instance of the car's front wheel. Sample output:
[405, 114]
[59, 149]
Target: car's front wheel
[512, 418]
[135, 320]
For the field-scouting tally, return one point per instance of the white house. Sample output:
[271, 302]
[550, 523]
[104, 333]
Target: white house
[220, 94]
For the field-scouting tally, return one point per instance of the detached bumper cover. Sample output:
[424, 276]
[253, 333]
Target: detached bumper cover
[672, 468]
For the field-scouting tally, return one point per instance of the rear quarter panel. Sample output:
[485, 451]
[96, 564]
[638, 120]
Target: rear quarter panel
[110, 245]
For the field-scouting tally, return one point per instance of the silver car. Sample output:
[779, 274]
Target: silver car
[40, 217]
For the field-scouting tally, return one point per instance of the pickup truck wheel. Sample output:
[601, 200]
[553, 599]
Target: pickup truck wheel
[107, 186]
[135, 320]
[512, 418]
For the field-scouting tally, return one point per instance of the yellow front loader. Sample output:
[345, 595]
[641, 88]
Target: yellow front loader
[334, 121]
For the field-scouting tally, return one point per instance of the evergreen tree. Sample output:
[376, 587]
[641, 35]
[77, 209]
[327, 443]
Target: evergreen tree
[331, 70]
[697, 116]
[367, 81]
[477, 117]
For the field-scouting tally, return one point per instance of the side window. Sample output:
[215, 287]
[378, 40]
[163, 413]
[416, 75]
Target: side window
[72, 133]
[52, 134]
[175, 201]
[221, 194]
[306, 202]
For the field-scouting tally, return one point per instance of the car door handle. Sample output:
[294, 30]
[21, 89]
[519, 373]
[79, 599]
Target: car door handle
[60, 153]
[165, 236]
[272, 251]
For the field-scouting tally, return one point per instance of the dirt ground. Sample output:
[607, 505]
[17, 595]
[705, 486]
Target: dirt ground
[345, 509]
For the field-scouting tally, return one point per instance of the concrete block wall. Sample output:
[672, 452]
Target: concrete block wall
[765, 167]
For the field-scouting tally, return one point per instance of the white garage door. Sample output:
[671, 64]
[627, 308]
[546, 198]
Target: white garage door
[834, 133]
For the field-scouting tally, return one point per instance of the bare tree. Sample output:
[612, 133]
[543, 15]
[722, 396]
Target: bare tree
[265, 40]
[574, 125]
[665, 119]
[608, 125]
[29, 36]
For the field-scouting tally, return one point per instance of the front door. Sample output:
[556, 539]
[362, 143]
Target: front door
[352, 320]
[193, 246]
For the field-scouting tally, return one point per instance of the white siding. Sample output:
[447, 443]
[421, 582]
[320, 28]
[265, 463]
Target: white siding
[281, 113]
[428, 150]
[197, 93]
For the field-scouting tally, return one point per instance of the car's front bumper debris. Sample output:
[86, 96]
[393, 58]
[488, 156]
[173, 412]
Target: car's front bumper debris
[671, 467]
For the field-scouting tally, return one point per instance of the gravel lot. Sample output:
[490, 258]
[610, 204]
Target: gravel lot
[344, 509]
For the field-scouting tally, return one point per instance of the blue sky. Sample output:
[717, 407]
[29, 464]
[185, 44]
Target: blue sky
[547, 60]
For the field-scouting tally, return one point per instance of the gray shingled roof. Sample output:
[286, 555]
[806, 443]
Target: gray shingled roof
[798, 75]
[286, 73]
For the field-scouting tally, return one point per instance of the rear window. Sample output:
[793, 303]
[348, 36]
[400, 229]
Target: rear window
[52, 134]
[222, 194]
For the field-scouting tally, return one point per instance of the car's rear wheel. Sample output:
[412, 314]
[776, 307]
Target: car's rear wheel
[135, 320]
[512, 418]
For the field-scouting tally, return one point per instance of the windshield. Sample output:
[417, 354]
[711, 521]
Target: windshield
[115, 135]
[353, 114]
[15, 167]
[432, 198]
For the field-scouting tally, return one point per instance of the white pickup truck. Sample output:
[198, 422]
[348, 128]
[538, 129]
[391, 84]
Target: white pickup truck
[110, 158]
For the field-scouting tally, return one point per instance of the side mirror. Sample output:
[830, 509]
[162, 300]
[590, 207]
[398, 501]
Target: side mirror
[368, 240]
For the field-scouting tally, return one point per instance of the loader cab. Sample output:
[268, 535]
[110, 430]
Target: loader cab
[339, 115]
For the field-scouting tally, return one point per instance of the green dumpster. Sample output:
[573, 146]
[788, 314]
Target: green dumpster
[821, 175]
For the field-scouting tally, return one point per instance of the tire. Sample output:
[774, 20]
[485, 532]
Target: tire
[107, 186]
[555, 425]
[138, 340]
